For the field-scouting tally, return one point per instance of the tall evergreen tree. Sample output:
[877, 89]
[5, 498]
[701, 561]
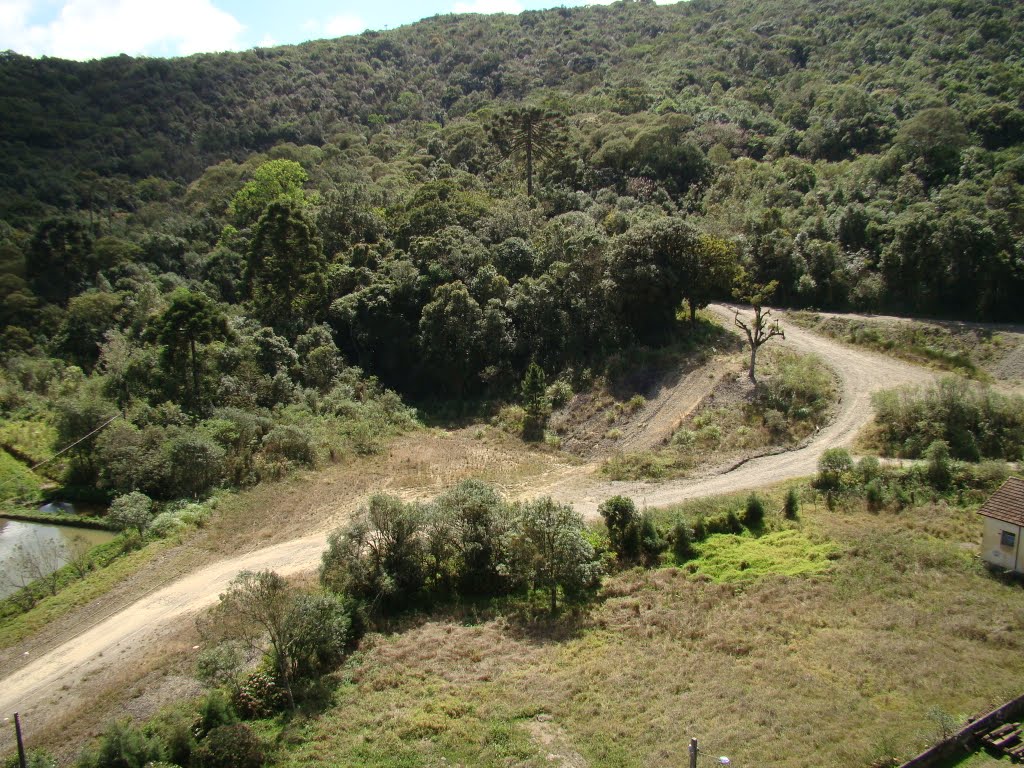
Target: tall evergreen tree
[189, 320]
[286, 275]
[530, 132]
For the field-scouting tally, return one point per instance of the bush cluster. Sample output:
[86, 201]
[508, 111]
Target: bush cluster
[216, 739]
[840, 478]
[636, 539]
[975, 422]
[468, 542]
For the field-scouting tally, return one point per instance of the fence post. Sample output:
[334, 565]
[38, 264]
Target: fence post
[21, 746]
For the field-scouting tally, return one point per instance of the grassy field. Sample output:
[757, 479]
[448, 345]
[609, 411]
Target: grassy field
[847, 638]
[32, 440]
[964, 350]
[17, 482]
[981, 759]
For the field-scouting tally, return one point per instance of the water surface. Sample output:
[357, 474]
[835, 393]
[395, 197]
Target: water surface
[48, 547]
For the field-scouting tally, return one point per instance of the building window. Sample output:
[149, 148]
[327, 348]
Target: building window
[1008, 539]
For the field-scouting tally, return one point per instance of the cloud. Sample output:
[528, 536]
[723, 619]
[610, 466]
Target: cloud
[13, 15]
[340, 26]
[89, 29]
[489, 6]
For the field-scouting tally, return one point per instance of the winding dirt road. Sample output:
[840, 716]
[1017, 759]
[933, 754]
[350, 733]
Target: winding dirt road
[860, 373]
[40, 688]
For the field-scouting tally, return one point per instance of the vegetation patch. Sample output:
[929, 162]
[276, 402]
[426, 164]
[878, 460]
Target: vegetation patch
[963, 349]
[794, 397]
[60, 518]
[29, 441]
[731, 558]
[17, 482]
[974, 422]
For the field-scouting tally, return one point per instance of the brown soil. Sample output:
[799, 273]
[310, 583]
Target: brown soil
[585, 427]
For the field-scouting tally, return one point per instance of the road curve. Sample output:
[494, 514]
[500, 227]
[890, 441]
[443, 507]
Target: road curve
[37, 689]
[860, 373]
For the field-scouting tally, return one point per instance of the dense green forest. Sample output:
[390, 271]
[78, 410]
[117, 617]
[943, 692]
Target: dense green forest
[246, 253]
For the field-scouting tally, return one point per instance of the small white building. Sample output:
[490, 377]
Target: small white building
[1004, 523]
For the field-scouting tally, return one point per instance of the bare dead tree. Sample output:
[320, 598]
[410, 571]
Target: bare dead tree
[78, 554]
[760, 331]
[34, 564]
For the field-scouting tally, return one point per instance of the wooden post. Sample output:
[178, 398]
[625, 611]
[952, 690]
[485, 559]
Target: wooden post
[693, 753]
[21, 746]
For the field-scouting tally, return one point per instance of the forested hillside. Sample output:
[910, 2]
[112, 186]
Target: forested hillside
[234, 247]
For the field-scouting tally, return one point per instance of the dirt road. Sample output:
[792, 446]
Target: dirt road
[39, 688]
[860, 373]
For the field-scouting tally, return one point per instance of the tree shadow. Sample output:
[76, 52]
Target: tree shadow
[524, 617]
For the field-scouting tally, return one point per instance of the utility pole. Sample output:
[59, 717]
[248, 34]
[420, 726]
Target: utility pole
[693, 753]
[21, 746]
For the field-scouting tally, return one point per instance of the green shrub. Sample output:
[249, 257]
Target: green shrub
[874, 494]
[989, 475]
[260, 696]
[214, 711]
[471, 530]
[123, 746]
[290, 443]
[834, 467]
[635, 403]
[380, 555]
[559, 393]
[939, 471]
[753, 512]
[868, 468]
[651, 542]
[975, 422]
[35, 758]
[131, 511]
[220, 664]
[175, 731]
[733, 523]
[620, 517]
[231, 746]
[801, 387]
[682, 546]
[194, 463]
[166, 524]
[510, 419]
[791, 507]
[320, 629]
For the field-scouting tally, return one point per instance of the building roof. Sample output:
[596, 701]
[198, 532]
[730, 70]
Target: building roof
[1007, 503]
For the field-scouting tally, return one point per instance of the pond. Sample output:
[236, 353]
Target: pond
[29, 550]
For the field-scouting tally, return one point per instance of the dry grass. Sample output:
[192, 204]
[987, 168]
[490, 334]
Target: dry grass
[734, 422]
[972, 350]
[839, 668]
